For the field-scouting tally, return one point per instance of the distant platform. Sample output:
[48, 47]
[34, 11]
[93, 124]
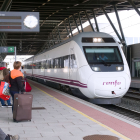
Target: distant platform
[59, 116]
[135, 82]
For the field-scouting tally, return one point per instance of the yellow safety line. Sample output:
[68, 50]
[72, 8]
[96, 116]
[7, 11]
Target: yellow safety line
[110, 129]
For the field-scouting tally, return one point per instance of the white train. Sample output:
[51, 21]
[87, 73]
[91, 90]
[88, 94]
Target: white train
[90, 64]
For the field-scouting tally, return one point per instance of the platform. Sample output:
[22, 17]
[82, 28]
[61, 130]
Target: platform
[66, 118]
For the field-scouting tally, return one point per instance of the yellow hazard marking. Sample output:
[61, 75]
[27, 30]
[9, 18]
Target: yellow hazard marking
[110, 129]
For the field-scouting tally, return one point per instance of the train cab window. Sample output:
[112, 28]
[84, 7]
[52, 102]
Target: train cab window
[73, 63]
[66, 61]
[103, 55]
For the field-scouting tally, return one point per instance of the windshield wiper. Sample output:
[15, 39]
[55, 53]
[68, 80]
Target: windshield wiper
[106, 63]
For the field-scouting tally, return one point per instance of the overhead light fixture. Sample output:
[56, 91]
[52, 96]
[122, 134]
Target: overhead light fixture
[76, 4]
[43, 3]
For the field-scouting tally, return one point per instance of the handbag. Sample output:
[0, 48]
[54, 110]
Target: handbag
[27, 87]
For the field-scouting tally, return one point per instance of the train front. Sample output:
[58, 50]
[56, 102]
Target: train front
[110, 79]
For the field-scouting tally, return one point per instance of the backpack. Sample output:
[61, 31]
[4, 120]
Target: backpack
[1, 75]
[4, 90]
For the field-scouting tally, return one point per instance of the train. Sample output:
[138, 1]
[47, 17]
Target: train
[90, 65]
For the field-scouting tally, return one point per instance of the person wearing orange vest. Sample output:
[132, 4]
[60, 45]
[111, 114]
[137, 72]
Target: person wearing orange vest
[16, 82]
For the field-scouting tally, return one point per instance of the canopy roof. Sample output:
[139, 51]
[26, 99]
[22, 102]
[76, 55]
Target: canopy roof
[54, 23]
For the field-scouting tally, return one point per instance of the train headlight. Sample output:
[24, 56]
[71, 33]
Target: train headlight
[119, 68]
[98, 40]
[96, 68]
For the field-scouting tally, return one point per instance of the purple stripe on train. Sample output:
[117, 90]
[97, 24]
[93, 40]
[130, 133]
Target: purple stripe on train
[68, 82]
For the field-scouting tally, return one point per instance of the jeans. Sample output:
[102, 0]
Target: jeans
[2, 135]
[3, 103]
[12, 94]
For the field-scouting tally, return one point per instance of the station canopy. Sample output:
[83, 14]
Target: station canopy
[56, 17]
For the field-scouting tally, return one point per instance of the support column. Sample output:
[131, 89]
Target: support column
[76, 24]
[134, 6]
[112, 24]
[56, 36]
[53, 38]
[121, 30]
[95, 20]
[80, 22]
[67, 29]
[59, 34]
[89, 21]
[70, 27]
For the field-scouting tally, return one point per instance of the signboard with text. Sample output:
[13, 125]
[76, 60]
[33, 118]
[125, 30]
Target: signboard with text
[19, 22]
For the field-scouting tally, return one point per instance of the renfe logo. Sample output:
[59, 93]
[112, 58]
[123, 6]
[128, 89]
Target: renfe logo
[112, 83]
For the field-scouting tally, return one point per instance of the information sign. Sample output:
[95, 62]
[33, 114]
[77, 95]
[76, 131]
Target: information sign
[7, 49]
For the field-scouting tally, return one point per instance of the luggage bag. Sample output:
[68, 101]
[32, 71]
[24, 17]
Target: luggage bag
[22, 107]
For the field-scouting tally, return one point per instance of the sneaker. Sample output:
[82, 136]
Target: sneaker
[4, 106]
[10, 137]
[9, 106]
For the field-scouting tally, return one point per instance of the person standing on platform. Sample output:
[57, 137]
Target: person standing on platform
[5, 78]
[23, 71]
[16, 78]
[3, 136]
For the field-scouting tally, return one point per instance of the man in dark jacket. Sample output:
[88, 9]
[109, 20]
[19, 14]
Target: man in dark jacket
[16, 78]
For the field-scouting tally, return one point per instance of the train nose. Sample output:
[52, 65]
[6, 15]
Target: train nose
[107, 87]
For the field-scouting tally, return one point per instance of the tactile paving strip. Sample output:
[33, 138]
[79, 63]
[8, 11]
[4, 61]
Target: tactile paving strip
[100, 137]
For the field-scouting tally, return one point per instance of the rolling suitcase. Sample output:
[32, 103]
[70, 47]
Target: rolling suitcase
[22, 107]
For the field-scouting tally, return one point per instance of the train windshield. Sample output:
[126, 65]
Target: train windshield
[99, 55]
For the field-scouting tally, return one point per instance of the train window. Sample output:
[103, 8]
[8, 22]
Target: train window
[61, 60]
[66, 61]
[47, 64]
[56, 61]
[34, 65]
[38, 65]
[43, 65]
[73, 63]
[29, 66]
[52, 64]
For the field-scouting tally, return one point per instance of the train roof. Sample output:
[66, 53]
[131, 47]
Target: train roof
[77, 39]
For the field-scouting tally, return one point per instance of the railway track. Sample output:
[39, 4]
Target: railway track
[123, 111]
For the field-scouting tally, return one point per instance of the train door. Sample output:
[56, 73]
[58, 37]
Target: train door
[72, 65]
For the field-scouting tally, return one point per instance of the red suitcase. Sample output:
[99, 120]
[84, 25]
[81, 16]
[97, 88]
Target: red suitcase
[22, 109]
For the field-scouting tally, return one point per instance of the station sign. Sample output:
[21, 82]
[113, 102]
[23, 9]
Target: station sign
[7, 49]
[19, 22]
